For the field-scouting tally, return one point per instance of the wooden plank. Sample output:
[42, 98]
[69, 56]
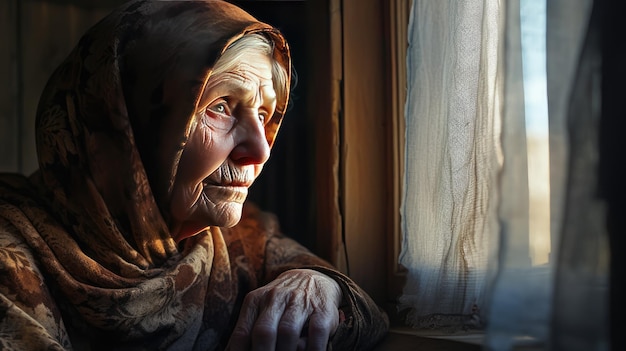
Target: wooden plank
[397, 15]
[324, 96]
[9, 151]
[366, 120]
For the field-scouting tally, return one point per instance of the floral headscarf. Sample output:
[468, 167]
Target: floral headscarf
[123, 98]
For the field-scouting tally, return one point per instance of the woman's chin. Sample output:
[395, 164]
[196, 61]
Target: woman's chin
[228, 215]
[225, 214]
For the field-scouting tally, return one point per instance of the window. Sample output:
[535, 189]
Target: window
[362, 200]
[484, 249]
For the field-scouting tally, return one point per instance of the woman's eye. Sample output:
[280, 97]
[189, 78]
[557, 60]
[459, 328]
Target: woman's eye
[220, 108]
[219, 116]
[262, 118]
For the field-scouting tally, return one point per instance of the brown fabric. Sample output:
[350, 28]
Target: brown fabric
[86, 258]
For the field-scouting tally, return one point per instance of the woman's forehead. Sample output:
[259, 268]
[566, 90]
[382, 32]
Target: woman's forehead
[246, 79]
[243, 88]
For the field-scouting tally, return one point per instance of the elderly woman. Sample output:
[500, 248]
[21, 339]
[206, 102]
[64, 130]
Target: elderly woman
[133, 233]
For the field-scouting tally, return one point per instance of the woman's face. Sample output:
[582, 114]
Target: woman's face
[226, 149]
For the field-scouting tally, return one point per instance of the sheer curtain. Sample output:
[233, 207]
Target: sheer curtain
[503, 230]
[452, 159]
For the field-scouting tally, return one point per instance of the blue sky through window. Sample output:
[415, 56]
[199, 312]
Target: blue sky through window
[533, 29]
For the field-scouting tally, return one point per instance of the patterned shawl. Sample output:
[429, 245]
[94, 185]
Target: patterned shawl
[86, 258]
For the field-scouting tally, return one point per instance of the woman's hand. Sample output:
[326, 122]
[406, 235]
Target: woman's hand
[296, 311]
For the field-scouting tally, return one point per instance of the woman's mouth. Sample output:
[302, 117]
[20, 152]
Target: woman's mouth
[232, 184]
[231, 192]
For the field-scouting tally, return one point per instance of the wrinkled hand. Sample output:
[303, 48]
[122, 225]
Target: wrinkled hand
[296, 311]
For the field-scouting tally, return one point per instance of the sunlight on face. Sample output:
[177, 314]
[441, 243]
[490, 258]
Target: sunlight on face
[226, 149]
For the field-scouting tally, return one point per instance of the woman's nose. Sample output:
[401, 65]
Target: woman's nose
[252, 146]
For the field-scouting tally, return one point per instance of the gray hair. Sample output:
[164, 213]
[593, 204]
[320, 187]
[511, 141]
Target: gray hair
[255, 42]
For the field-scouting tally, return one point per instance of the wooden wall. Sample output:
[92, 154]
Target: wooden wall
[365, 160]
[9, 149]
[35, 36]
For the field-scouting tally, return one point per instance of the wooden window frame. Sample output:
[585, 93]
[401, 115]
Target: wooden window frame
[360, 139]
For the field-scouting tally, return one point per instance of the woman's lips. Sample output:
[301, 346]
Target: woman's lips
[227, 192]
[234, 184]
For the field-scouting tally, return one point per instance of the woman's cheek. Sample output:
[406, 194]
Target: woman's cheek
[184, 199]
[201, 156]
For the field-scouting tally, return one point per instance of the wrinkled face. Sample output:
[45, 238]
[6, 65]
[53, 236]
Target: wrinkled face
[226, 149]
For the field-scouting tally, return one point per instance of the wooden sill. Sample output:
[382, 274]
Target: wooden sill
[408, 339]
[401, 339]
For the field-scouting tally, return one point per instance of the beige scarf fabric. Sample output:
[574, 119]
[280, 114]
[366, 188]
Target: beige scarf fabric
[86, 258]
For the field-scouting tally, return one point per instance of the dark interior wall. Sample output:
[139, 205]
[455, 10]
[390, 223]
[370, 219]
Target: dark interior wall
[35, 36]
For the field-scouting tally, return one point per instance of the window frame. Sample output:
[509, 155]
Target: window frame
[362, 51]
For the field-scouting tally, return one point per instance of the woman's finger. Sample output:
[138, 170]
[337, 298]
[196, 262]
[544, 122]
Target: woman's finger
[264, 330]
[320, 327]
[290, 327]
[241, 336]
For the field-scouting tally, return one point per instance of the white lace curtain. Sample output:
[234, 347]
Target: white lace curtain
[501, 227]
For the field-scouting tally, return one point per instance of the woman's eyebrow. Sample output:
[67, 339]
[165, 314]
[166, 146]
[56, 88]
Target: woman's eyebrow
[232, 84]
[248, 91]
